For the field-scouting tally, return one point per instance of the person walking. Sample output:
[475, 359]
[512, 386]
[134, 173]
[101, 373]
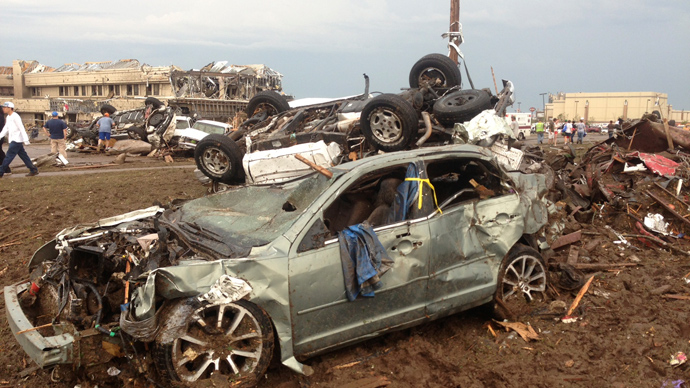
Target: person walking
[514, 126]
[611, 127]
[581, 130]
[56, 129]
[567, 132]
[105, 126]
[2, 140]
[17, 137]
[554, 130]
[539, 128]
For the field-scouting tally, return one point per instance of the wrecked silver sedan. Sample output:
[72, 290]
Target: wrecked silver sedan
[215, 287]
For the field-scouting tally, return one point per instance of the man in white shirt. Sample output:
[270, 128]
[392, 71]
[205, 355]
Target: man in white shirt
[17, 137]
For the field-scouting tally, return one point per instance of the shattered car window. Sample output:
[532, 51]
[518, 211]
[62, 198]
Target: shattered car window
[249, 216]
[210, 129]
[459, 180]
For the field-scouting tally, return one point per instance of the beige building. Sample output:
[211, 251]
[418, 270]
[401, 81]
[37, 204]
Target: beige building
[603, 107]
[76, 91]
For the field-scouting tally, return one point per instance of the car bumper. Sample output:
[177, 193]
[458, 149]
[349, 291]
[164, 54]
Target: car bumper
[45, 351]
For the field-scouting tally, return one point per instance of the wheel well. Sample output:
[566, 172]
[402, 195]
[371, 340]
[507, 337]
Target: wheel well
[528, 240]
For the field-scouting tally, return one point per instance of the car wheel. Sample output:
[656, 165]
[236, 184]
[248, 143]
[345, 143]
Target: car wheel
[219, 158]
[156, 118]
[521, 136]
[156, 103]
[389, 122]
[435, 70]
[461, 106]
[71, 133]
[267, 102]
[137, 133]
[107, 108]
[522, 279]
[233, 340]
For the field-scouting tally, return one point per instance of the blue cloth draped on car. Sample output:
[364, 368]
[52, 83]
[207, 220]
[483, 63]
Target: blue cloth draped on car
[364, 260]
[405, 196]
[363, 257]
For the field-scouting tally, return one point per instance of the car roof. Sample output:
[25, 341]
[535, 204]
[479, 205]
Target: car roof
[455, 150]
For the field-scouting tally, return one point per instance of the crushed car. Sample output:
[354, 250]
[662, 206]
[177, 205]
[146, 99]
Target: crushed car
[422, 115]
[211, 289]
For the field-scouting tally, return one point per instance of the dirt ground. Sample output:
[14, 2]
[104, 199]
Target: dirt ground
[626, 330]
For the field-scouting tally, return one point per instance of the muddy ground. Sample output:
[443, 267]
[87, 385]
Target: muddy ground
[627, 329]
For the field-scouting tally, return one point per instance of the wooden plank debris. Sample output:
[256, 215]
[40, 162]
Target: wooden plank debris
[579, 296]
[92, 166]
[676, 296]
[573, 254]
[368, 382]
[525, 331]
[602, 266]
[567, 239]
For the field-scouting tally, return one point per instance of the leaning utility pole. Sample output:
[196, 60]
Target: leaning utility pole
[454, 24]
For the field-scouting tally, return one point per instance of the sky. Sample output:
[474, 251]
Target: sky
[322, 47]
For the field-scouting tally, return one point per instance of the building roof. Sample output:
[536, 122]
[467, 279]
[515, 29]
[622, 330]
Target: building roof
[223, 67]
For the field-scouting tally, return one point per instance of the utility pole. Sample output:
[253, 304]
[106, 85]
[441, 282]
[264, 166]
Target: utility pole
[454, 24]
[543, 102]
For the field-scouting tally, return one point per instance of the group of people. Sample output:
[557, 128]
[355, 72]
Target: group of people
[569, 130]
[12, 127]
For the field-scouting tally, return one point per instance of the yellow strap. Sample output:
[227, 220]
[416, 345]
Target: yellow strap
[419, 188]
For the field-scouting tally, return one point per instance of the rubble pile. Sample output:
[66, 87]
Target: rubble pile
[626, 192]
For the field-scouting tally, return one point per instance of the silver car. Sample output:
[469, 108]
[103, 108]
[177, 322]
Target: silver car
[221, 284]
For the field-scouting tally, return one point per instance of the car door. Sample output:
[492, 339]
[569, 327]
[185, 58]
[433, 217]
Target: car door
[322, 316]
[470, 237]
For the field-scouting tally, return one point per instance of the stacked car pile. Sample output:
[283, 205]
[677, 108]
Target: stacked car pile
[423, 114]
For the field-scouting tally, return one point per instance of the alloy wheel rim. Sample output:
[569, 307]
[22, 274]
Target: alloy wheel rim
[225, 339]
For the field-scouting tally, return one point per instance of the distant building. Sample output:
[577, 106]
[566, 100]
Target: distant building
[77, 91]
[603, 107]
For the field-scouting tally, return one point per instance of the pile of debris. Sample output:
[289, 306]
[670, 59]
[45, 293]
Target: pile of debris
[628, 190]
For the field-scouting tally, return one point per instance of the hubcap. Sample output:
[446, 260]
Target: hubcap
[526, 275]
[385, 125]
[432, 76]
[459, 101]
[215, 161]
[223, 339]
[267, 108]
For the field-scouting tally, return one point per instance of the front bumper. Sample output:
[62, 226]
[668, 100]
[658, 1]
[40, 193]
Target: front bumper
[45, 351]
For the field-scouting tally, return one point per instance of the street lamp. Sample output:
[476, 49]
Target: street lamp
[576, 101]
[544, 104]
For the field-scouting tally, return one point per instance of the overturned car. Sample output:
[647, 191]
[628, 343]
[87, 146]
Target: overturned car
[215, 287]
[422, 115]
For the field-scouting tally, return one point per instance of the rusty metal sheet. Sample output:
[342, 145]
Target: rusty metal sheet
[650, 137]
[567, 239]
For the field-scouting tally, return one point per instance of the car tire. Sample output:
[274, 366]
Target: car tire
[107, 108]
[389, 122]
[156, 103]
[522, 280]
[71, 132]
[461, 106]
[435, 66]
[219, 158]
[215, 351]
[156, 118]
[521, 136]
[269, 102]
[137, 133]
